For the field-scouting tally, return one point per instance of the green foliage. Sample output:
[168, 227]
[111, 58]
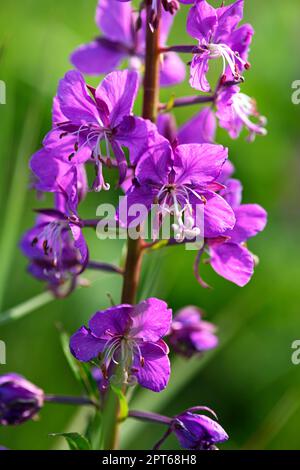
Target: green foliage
[75, 440]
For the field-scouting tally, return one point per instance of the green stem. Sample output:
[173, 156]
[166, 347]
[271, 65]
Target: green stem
[133, 262]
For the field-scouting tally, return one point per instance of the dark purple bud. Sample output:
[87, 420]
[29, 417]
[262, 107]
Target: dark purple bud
[197, 432]
[172, 6]
[20, 400]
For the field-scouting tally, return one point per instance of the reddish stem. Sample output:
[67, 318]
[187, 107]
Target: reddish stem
[150, 106]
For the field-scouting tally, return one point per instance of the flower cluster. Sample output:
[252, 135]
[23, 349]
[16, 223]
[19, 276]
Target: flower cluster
[183, 172]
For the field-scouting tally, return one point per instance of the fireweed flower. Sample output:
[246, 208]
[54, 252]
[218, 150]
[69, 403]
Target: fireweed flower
[55, 246]
[235, 110]
[181, 180]
[189, 334]
[218, 36]
[197, 432]
[229, 255]
[20, 400]
[128, 341]
[124, 38]
[92, 116]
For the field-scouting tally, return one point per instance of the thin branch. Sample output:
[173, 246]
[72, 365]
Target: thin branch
[187, 101]
[107, 267]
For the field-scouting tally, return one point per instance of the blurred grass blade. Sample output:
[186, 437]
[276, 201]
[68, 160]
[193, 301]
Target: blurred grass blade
[23, 309]
[230, 322]
[278, 417]
[16, 198]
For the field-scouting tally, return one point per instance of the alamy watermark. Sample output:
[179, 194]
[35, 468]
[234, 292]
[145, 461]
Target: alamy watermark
[296, 93]
[155, 223]
[295, 358]
[2, 92]
[2, 353]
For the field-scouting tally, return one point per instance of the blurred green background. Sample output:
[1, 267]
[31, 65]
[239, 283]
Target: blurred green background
[249, 380]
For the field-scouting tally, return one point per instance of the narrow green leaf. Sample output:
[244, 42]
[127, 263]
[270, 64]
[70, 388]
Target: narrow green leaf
[16, 197]
[81, 371]
[75, 440]
[20, 311]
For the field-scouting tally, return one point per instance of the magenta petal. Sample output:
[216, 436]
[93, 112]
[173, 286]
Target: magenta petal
[152, 368]
[118, 90]
[74, 99]
[218, 215]
[228, 18]
[233, 262]
[137, 134]
[250, 220]
[200, 164]
[172, 70]
[97, 57]
[199, 69]
[80, 243]
[47, 169]
[151, 319]
[114, 19]
[202, 21]
[84, 346]
[155, 165]
[135, 205]
[166, 24]
[200, 129]
[204, 340]
[232, 192]
[112, 321]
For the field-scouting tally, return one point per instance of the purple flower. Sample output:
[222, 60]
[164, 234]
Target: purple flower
[181, 180]
[121, 40]
[197, 432]
[236, 110]
[218, 34]
[229, 256]
[85, 117]
[190, 334]
[56, 247]
[200, 129]
[20, 400]
[129, 338]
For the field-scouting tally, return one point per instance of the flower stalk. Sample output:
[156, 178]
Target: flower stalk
[135, 250]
